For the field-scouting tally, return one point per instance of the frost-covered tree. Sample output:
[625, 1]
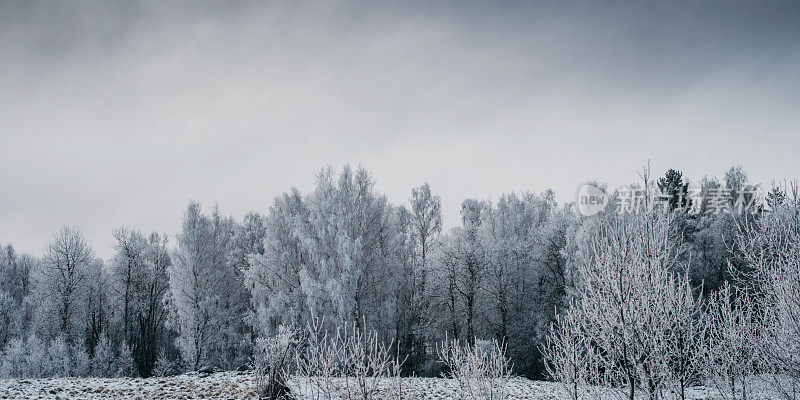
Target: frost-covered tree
[632, 306]
[347, 223]
[409, 308]
[419, 231]
[681, 340]
[445, 300]
[201, 283]
[147, 336]
[124, 364]
[10, 318]
[99, 309]
[36, 359]
[61, 284]
[273, 277]
[771, 248]
[247, 242]
[459, 274]
[58, 355]
[126, 272]
[15, 273]
[139, 281]
[473, 263]
[571, 359]
[426, 222]
[522, 238]
[776, 197]
[330, 251]
[80, 363]
[676, 190]
[733, 347]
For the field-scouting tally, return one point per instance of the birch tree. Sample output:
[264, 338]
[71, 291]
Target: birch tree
[61, 284]
[199, 284]
[127, 270]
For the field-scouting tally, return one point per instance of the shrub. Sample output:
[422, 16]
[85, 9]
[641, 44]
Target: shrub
[480, 371]
[273, 366]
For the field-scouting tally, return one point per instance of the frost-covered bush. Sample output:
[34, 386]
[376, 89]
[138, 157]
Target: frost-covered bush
[274, 361]
[349, 364]
[164, 366]
[102, 363]
[59, 357]
[12, 362]
[124, 363]
[480, 371]
[317, 363]
[365, 359]
[36, 358]
[81, 364]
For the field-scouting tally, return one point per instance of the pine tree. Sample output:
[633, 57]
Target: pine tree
[676, 190]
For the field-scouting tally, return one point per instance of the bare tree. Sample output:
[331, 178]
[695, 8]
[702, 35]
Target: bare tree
[64, 277]
[472, 261]
[427, 221]
[771, 248]
[127, 269]
[632, 309]
[570, 357]
[733, 350]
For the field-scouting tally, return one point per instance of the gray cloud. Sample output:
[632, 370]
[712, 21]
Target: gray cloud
[118, 113]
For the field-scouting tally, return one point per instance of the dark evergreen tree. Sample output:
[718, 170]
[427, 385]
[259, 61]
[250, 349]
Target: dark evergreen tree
[673, 186]
[776, 197]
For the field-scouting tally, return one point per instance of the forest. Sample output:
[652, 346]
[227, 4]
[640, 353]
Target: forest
[681, 291]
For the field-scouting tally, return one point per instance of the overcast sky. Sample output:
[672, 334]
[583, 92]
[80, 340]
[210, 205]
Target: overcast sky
[117, 114]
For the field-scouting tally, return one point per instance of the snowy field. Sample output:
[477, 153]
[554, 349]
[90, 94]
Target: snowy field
[223, 385]
[233, 385]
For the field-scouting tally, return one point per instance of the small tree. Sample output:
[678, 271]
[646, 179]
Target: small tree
[570, 357]
[80, 363]
[733, 349]
[676, 190]
[683, 337]
[771, 248]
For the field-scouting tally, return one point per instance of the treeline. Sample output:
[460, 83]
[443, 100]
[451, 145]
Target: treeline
[512, 269]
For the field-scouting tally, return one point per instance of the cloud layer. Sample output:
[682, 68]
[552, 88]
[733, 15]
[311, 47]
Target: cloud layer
[116, 114]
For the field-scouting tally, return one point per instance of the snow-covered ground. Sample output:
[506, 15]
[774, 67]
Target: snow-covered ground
[234, 385]
[222, 385]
